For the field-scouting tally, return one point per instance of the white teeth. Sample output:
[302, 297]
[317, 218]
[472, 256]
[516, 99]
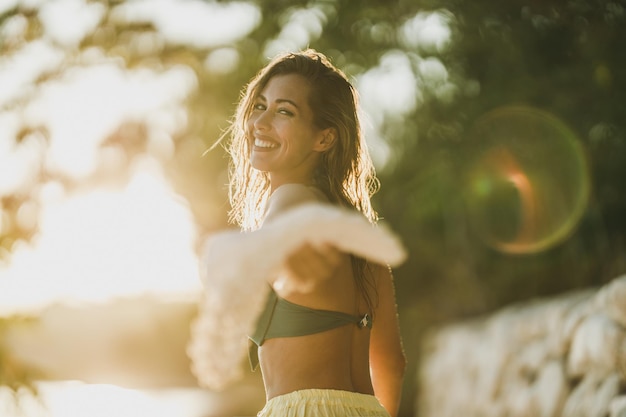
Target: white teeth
[260, 143]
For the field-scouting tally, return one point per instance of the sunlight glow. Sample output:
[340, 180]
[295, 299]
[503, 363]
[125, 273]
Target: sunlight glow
[88, 104]
[387, 91]
[69, 21]
[13, 30]
[73, 399]
[429, 32]
[7, 5]
[18, 164]
[299, 28]
[434, 78]
[18, 71]
[103, 244]
[203, 24]
[222, 60]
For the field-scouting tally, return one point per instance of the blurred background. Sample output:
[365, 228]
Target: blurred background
[497, 128]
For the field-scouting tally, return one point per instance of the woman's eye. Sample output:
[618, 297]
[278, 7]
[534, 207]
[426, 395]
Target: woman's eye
[285, 112]
[258, 106]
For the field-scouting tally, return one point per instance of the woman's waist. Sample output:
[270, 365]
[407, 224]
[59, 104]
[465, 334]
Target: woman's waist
[285, 371]
[286, 388]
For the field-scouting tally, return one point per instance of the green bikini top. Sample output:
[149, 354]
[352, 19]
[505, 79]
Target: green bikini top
[281, 318]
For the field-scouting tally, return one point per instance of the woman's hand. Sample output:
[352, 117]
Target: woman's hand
[308, 265]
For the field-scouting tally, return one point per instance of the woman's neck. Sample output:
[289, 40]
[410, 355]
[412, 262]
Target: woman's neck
[277, 182]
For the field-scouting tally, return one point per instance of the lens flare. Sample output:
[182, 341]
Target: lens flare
[527, 181]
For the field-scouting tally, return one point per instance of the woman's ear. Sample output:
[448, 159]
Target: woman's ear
[327, 139]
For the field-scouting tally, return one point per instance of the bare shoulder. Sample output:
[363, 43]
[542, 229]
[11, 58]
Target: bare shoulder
[291, 195]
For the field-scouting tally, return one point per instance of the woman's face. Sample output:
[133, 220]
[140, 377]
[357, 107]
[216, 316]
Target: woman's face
[283, 139]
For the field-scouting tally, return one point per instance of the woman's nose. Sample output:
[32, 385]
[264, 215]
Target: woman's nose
[262, 120]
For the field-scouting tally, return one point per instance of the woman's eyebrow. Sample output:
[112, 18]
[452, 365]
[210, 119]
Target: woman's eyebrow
[284, 100]
[280, 100]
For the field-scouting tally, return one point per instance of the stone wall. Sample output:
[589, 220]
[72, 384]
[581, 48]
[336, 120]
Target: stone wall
[555, 357]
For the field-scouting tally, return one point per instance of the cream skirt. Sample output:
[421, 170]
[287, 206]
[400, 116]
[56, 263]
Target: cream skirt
[323, 403]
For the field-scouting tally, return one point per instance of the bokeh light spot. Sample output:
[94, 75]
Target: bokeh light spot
[429, 32]
[527, 182]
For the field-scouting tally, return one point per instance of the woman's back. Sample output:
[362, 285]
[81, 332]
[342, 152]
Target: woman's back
[332, 359]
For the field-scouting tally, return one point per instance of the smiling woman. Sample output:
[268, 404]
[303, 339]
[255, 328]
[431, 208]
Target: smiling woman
[301, 183]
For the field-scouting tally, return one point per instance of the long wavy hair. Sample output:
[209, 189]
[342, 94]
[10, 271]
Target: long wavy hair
[345, 174]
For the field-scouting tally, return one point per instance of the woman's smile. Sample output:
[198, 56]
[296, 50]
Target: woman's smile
[264, 144]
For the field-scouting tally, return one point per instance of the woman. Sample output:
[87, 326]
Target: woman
[328, 342]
